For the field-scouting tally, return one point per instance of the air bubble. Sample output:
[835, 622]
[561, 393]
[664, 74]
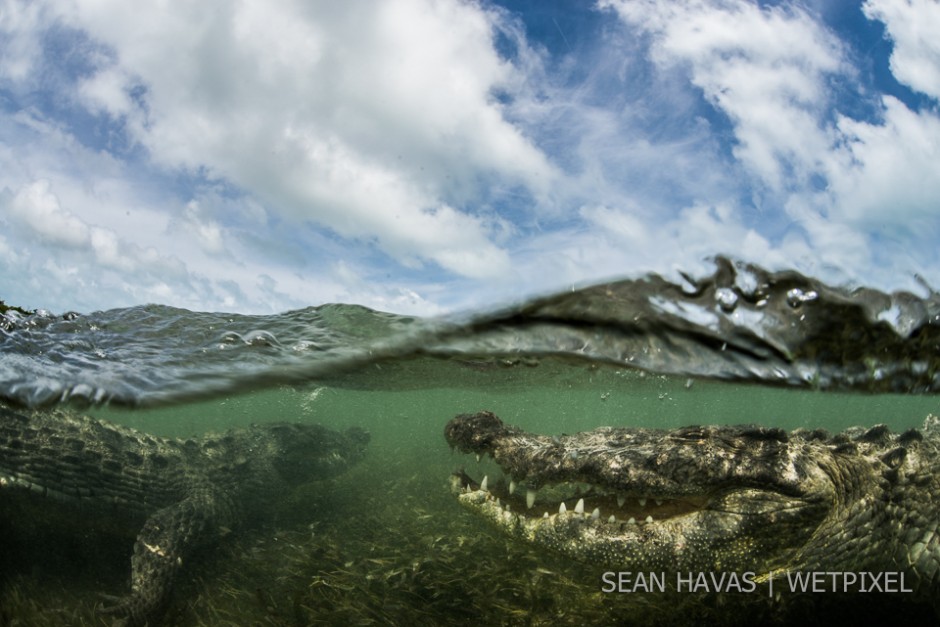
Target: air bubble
[727, 299]
[796, 297]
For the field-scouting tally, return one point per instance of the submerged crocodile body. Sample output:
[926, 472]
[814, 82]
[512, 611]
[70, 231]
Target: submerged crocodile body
[717, 499]
[183, 493]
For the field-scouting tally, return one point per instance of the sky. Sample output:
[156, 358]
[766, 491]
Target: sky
[428, 156]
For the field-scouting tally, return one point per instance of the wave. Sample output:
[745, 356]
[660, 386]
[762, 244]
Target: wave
[741, 323]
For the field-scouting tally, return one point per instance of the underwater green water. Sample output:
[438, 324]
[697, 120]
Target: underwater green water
[565, 402]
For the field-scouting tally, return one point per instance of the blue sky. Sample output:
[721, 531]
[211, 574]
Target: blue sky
[422, 156]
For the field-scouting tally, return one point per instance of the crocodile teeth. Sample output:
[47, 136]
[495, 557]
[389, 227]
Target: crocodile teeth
[579, 508]
[530, 498]
[612, 519]
[561, 508]
[649, 519]
[621, 499]
[512, 486]
[478, 458]
[545, 515]
[658, 501]
[483, 484]
[596, 513]
[642, 502]
[631, 521]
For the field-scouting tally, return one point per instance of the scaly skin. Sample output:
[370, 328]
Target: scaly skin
[732, 499]
[186, 493]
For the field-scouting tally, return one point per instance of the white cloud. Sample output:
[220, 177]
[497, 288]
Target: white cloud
[37, 217]
[206, 231]
[265, 156]
[619, 224]
[913, 26]
[370, 119]
[887, 172]
[846, 184]
[20, 21]
[107, 91]
[39, 209]
[763, 67]
[91, 234]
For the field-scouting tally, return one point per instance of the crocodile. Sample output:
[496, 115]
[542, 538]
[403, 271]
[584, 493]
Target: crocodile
[750, 499]
[182, 494]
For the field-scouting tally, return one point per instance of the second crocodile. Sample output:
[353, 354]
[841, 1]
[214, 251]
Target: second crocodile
[183, 493]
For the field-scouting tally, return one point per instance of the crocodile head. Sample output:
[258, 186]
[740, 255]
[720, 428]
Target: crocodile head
[717, 498]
